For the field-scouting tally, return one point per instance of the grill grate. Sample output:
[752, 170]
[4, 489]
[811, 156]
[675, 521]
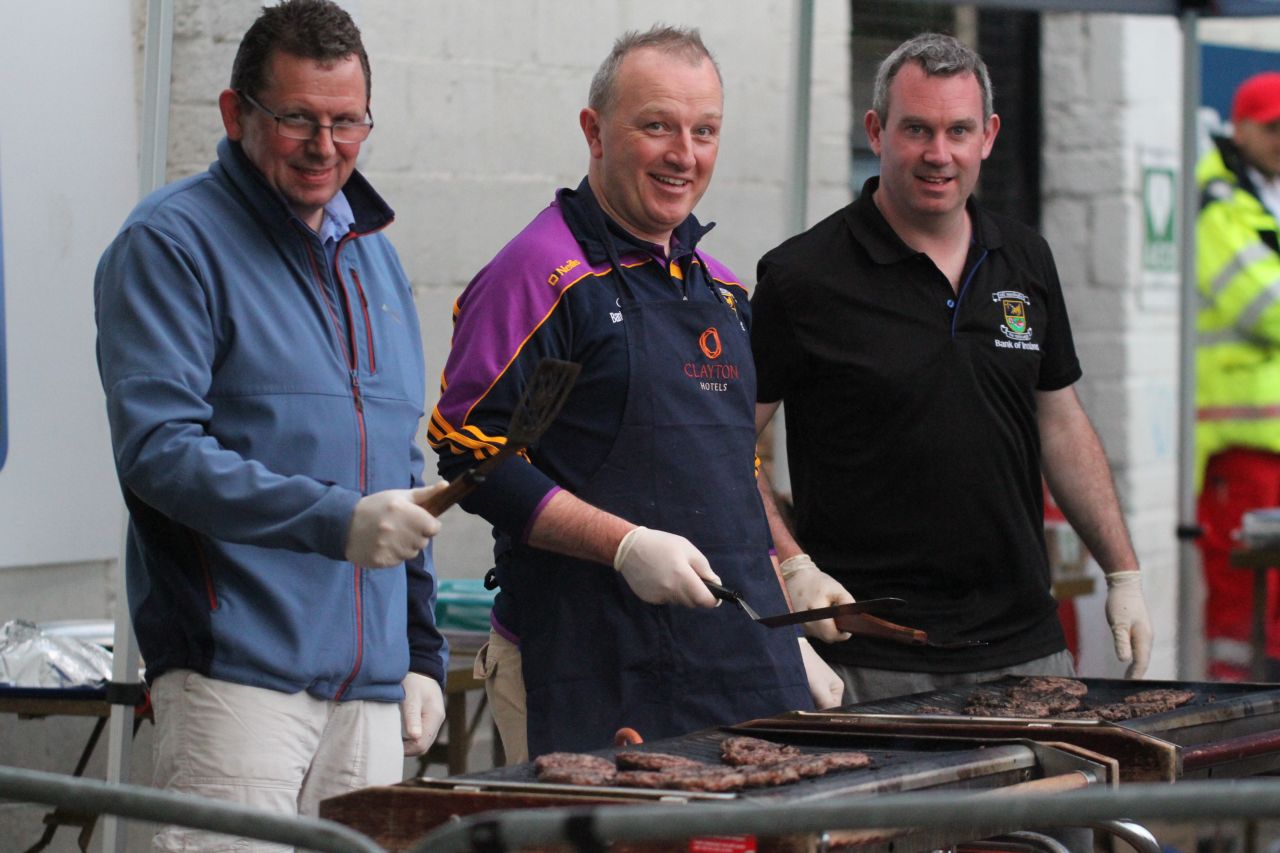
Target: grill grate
[1218, 709]
[897, 764]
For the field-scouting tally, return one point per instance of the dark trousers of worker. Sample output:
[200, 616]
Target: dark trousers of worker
[1235, 482]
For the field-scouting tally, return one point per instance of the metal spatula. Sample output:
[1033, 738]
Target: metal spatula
[543, 397]
[871, 605]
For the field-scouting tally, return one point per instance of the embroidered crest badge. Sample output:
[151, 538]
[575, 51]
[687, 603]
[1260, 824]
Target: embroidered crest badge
[1013, 304]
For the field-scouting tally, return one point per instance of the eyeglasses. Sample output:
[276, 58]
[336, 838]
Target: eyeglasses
[301, 127]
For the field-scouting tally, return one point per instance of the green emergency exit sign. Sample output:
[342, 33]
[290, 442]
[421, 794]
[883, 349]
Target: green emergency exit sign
[1159, 194]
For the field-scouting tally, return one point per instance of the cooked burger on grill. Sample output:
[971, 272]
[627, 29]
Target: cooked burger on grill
[708, 778]
[653, 761]
[723, 779]
[1010, 708]
[572, 768]
[985, 696]
[741, 750]
[1056, 700]
[1053, 684]
[1161, 696]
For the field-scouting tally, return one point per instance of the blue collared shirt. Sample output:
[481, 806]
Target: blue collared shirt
[338, 219]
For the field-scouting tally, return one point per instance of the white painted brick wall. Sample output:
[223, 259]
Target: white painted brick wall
[1107, 96]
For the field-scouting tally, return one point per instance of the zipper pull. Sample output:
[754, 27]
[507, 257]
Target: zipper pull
[355, 390]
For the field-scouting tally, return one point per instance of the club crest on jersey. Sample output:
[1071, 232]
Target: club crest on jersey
[1014, 307]
[728, 298]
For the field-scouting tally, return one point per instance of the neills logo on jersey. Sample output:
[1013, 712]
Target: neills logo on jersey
[568, 265]
[709, 375]
[1014, 306]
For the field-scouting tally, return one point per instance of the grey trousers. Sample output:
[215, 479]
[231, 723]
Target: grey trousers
[864, 684]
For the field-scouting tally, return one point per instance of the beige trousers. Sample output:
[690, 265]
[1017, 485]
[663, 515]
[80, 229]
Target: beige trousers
[264, 749]
[498, 663]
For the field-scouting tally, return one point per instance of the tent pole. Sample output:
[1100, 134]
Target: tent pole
[1189, 581]
[799, 122]
[152, 156]
[800, 117]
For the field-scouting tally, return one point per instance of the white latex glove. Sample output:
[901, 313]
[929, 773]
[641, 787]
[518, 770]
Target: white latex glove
[421, 712]
[662, 568]
[809, 587]
[825, 686]
[1130, 624]
[389, 527]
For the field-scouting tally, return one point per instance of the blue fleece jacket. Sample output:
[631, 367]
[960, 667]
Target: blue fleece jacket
[255, 390]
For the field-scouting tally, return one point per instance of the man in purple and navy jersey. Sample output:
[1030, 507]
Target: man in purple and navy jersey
[645, 485]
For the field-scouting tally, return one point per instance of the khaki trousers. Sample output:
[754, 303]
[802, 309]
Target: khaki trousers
[264, 749]
[498, 663]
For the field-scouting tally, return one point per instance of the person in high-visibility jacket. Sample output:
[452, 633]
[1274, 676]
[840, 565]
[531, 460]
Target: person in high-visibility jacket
[1238, 363]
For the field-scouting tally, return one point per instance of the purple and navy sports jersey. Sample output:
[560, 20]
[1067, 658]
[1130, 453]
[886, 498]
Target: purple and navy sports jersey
[551, 293]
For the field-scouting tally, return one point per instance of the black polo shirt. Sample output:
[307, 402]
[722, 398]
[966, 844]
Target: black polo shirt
[911, 426]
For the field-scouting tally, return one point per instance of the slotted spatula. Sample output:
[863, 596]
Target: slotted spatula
[543, 397]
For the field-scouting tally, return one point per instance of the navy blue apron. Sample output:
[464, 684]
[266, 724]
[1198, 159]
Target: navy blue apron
[595, 657]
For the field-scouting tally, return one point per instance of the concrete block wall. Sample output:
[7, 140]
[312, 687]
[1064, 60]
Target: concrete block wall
[477, 108]
[1111, 99]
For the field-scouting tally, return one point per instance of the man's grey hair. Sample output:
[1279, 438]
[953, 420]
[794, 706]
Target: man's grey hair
[937, 55]
[680, 42]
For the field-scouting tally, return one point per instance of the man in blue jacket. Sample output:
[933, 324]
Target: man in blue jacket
[259, 348]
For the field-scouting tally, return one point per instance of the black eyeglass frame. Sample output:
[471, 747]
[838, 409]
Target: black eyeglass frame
[301, 124]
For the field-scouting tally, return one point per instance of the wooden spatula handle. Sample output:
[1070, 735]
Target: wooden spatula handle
[439, 501]
[864, 625]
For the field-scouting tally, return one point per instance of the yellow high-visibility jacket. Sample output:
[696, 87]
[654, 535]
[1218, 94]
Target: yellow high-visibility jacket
[1238, 323]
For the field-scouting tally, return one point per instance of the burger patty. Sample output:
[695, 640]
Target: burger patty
[1056, 700]
[653, 761]
[1029, 708]
[573, 768]
[1161, 696]
[1053, 684]
[708, 778]
[741, 750]
[714, 779]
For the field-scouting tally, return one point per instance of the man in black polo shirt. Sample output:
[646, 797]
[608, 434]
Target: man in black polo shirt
[923, 350]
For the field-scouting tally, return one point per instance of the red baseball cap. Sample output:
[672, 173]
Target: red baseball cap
[1258, 99]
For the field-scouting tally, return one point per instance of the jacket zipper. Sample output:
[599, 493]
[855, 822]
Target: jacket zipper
[352, 355]
[368, 324]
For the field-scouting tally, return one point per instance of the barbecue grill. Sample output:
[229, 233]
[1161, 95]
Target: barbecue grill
[397, 816]
[1226, 731]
